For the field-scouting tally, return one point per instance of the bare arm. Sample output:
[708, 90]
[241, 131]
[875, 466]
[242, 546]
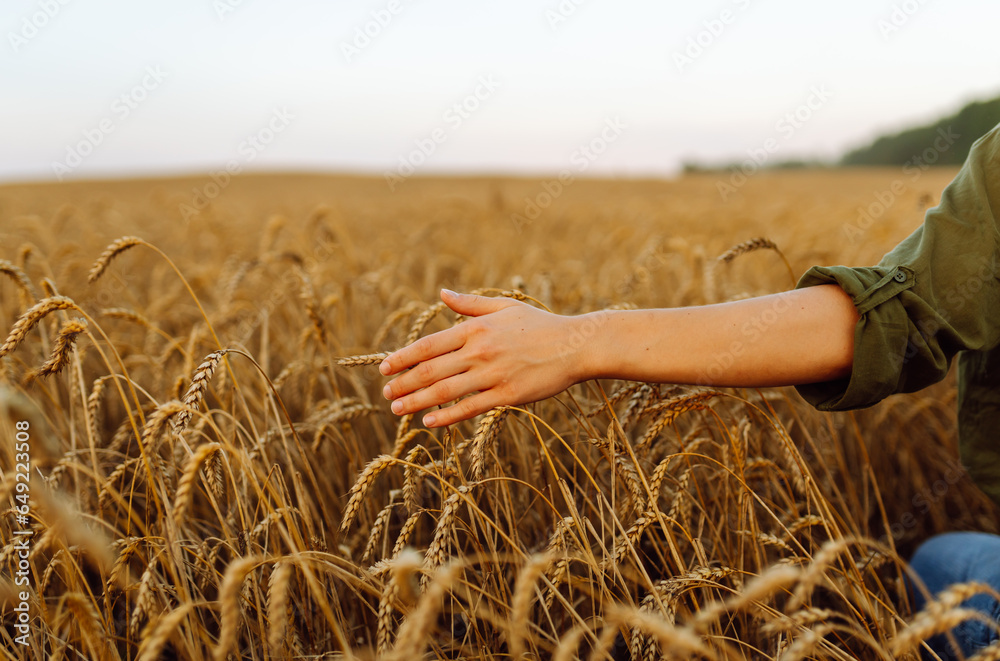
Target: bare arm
[511, 353]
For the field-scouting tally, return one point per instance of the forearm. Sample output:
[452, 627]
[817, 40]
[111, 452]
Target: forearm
[801, 336]
[509, 353]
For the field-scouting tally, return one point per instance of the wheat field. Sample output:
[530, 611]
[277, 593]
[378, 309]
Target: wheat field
[214, 473]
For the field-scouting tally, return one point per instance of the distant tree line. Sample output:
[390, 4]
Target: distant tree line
[965, 127]
[944, 142]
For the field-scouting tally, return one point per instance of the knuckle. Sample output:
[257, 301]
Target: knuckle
[448, 416]
[483, 351]
[442, 391]
[464, 410]
[425, 372]
[505, 392]
[421, 347]
[477, 328]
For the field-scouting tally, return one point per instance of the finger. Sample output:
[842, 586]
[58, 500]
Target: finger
[473, 305]
[469, 407]
[430, 346]
[425, 374]
[442, 392]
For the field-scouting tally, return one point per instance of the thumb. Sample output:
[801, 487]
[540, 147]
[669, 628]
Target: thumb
[472, 305]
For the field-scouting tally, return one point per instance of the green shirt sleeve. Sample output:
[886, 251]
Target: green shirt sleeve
[935, 294]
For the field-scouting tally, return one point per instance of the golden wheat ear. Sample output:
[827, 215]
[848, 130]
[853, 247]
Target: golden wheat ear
[113, 250]
[753, 245]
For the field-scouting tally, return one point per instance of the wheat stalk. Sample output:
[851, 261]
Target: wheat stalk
[675, 640]
[815, 572]
[229, 602]
[361, 487]
[144, 597]
[184, 486]
[524, 590]
[405, 533]
[443, 532]
[941, 614]
[761, 587]
[397, 589]
[631, 539]
[19, 277]
[308, 295]
[806, 643]
[486, 433]
[196, 392]
[422, 320]
[94, 406]
[55, 562]
[925, 627]
[403, 440]
[364, 359]
[277, 605]
[214, 475]
[159, 632]
[113, 250]
[62, 350]
[375, 535]
[392, 319]
[412, 478]
[751, 245]
[85, 614]
[413, 632]
[29, 319]
[157, 422]
[119, 571]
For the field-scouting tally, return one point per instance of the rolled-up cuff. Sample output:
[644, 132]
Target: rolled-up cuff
[881, 335]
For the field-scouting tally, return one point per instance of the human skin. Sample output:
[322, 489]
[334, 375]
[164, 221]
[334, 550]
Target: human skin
[508, 352]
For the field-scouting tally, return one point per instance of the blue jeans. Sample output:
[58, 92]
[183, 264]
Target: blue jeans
[960, 557]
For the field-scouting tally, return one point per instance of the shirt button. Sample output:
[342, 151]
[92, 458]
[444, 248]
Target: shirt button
[899, 277]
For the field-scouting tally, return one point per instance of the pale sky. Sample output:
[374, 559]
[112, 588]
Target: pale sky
[101, 88]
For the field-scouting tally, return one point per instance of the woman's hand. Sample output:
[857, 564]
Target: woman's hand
[507, 352]
[511, 353]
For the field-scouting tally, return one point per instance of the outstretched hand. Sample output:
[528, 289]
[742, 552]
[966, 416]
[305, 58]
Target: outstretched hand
[506, 352]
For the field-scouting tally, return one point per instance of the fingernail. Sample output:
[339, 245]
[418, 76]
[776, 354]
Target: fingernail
[397, 407]
[384, 366]
[429, 420]
[450, 292]
[387, 392]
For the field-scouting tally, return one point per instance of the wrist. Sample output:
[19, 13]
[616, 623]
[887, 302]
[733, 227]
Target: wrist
[585, 347]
